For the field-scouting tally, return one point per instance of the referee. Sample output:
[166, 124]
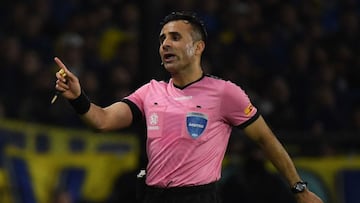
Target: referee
[189, 120]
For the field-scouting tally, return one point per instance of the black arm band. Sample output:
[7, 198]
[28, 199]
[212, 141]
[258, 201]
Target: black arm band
[81, 104]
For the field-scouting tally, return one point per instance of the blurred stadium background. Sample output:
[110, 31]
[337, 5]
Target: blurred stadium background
[298, 60]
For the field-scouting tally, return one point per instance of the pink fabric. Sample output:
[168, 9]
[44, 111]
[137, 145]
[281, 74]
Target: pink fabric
[188, 129]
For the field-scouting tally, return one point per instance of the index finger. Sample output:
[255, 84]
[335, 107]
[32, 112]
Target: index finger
[61, 64]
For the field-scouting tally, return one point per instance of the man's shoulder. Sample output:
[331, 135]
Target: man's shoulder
[215, 80]
[220, 79]
[158, 82]
[221, 83]
[155, 82]
[214, 77]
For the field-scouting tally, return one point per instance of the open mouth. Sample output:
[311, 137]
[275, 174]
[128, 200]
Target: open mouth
[169, 58]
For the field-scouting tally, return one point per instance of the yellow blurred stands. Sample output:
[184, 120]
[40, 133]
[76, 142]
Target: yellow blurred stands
[49, 151]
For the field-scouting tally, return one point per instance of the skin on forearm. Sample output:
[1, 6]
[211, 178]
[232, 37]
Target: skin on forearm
[113, 117]
[273, 149]
[278, 156]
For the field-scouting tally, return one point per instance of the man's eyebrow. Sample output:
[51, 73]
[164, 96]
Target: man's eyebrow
[170, 33]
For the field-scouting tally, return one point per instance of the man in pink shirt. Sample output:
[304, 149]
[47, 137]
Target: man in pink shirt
[189, 120]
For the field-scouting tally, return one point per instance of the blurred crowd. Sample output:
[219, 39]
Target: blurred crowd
[299, 61]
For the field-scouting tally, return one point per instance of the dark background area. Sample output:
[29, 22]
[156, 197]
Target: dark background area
[299, 61]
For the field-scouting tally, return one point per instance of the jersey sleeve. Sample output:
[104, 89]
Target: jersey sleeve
[236, 106]
[137, 114]
[136, 101]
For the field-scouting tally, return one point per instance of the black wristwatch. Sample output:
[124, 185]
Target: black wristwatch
[299, 187]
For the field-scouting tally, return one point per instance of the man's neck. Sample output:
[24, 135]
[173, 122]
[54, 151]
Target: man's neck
[185, 78]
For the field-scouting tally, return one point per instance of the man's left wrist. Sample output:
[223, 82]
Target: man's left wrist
[299, 187]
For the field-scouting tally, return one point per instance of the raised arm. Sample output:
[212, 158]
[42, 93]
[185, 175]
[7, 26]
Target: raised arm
[259, 132]
[115, 116]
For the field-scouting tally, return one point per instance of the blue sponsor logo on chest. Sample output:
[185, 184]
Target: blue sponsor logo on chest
[196, 123]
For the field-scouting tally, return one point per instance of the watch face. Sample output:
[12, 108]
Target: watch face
[299, 187]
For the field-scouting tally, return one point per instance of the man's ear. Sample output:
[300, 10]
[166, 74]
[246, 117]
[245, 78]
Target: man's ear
[199, 47]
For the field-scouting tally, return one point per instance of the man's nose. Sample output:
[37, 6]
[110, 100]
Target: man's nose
[166, 44]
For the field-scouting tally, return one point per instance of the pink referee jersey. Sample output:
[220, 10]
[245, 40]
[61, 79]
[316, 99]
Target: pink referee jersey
[188, 128]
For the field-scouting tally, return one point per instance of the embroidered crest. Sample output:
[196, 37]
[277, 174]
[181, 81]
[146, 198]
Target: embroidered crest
[154, 119]
[153, 122]
[196, 124]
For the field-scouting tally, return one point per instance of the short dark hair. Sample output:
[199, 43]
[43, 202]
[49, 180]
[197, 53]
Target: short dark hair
[191, 17]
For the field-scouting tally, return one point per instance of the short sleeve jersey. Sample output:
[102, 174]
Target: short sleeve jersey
[188, 128]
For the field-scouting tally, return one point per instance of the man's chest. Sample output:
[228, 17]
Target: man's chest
[179, 114]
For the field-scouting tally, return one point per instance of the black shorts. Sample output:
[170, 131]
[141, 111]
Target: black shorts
[194, 194]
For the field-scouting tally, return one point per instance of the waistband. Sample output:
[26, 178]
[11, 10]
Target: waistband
[183, 189]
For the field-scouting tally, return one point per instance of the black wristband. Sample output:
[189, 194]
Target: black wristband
[81, 104]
